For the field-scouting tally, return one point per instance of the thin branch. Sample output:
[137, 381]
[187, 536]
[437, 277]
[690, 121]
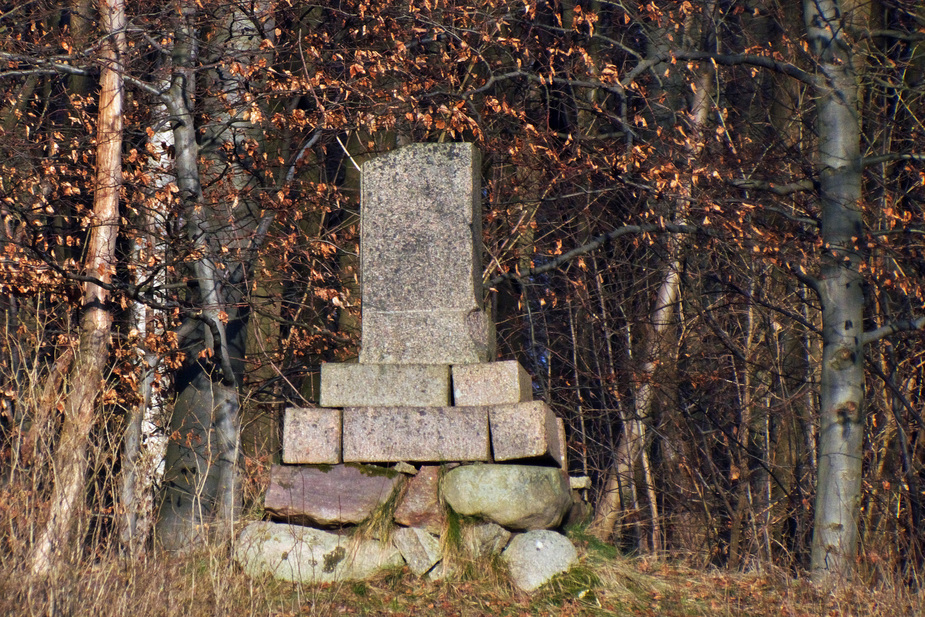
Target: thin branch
[902, 325]
[895, 156]
[598, 242]
[777, 189]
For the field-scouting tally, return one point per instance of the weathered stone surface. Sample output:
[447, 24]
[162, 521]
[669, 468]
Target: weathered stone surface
[406, 468]
[311, 436]
[524, 430]
[491, 383]
[420, 549]
[580, 513]
[419, 505]
[515, 496]
[328, 495]
[533, 558]
[427, 337]
[364, 385]
[420, 253]
[302, 554]
[579, 482]
[485, 539]
[390, 434]
[559, 450]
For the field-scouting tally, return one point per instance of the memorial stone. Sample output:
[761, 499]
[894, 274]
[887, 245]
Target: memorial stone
[420, 255]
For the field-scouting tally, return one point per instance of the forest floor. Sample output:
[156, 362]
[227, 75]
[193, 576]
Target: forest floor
[604, 583]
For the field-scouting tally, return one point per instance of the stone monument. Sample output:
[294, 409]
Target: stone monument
[425, 397]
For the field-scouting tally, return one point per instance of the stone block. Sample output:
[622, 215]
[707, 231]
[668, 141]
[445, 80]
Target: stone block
[366, 385]
[525, 430]
[560, 447]
[421, 254]
[311, 436]
[419, 505]
[491, 383]
[422, 434]
[328, 496]
[420, 549]
[427, 337]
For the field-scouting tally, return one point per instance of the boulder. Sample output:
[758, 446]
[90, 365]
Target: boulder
[515, 496]
[328, 495]
[533, 558]
[306, 555]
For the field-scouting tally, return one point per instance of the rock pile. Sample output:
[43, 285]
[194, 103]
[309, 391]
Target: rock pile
[426, 421]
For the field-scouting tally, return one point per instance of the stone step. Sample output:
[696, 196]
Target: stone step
[491, 383]
[415, 434]
[527, 431]
[387, 385]
[311, 435]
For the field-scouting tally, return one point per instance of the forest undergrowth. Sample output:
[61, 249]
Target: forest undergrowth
[207, 582]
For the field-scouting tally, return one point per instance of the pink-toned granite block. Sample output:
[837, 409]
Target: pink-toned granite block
[311, 436]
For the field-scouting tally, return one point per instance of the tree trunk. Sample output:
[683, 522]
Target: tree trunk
[202, 484]
[841, 429]
[620, 485]
[143, 445]
[87, 376]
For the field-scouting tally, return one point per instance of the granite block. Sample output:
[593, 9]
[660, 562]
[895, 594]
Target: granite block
[421, 253]
[422, 434]
[363, 385]
[427, 337]
[491, 383]
[311, 436]
[523, 431]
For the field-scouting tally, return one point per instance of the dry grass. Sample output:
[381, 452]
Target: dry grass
[208, 583]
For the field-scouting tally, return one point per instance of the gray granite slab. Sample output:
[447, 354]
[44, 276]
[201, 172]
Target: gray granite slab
[422, 434]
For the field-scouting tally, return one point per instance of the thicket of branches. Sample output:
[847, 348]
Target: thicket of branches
[658, 228]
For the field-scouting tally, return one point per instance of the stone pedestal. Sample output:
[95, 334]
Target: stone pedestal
[426, 390]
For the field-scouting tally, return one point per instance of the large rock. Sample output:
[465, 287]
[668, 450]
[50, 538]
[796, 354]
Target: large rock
[419, 505]
[420, 253]
[533, 558]
[328, 496]
[306, 555]
[391, 434]
[515, 496]
[361, 385]
[419, 548]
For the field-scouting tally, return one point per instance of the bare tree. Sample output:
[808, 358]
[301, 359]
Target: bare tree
[87, 378]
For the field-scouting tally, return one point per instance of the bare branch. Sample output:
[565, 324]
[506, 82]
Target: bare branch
[777, 189]
[598, 242]
[894, 156]
[903, 325]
